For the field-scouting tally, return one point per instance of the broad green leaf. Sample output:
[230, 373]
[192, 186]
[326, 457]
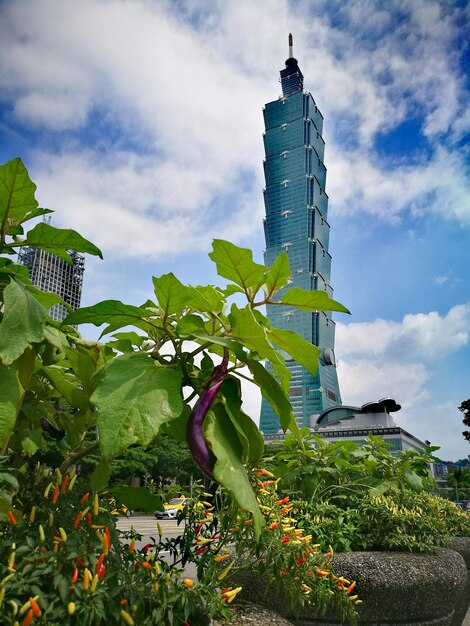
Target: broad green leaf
[311, 300]
[135, 339]
[75, 396]
[11, 395]
[8, 269]
[47, 298]
[17, 201]
[31, 440]
[247, 431]
[413, 480]
[300, 350]
[190, 324]
[229, 469]
[134, 399]
[206, 299]
[249, 332]
[237, 265]
[86, 358]
[58, 240]
[277, 276]
[172, 295]
[176, 428]
[100, 476]
[106, 312]
[137, 498]
[22, 323]
[272, 392]
[379, 489]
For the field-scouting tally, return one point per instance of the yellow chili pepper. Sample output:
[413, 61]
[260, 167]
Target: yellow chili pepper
[132, 546]
[94, 582]
[96, 504]
[2, 595]
[62, 533]
[58, 475]
[47, 489]
[127, 618]
[71, 608]
[32, 515]
[51, 519]
[14, 607]
[224, 572]
[86, 578]
[188, 582]
[42, 536]
[70, 487]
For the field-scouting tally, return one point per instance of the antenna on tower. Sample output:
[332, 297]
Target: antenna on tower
[291, 46]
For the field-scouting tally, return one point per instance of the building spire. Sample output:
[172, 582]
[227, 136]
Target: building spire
[291, 60]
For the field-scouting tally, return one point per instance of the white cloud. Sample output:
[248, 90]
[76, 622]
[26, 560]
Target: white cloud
[418, 337]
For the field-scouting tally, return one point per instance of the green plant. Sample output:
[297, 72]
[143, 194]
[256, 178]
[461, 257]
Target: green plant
[363, 497]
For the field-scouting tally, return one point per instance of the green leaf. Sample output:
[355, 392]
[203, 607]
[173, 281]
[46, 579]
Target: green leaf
[58, 240]
[22, 323]
[300, 350]
[106, 312]
[413, 480]
[232, 345]
[311, 300]
[236, 264]
[11, 395]
[100, 476]
[17, 201]
[86, 358]
[272, 392]
[135, 398]
[47, 298]
[172, 295]
[190, 324]
[229, 469]
[248, 433]
[206, 299]
[137, 498]
[277, 276]
[75, 396]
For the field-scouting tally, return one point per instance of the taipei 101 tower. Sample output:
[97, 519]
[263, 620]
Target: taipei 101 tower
[297, 222]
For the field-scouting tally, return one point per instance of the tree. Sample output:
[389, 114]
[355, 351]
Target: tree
[465, 408]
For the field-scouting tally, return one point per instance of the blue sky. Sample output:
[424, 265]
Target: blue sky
[141, 124]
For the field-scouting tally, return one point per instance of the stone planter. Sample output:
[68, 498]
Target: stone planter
[462, 546]
[397, 589]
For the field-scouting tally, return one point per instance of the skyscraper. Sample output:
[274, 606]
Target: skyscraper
[50, 273]
[297, 222]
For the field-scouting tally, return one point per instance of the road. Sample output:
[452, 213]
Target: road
[146, 525]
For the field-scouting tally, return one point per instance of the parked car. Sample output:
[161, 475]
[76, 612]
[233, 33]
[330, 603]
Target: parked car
[172, 508]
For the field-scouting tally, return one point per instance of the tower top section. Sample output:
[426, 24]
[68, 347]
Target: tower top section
[291, 60]
[292, 79]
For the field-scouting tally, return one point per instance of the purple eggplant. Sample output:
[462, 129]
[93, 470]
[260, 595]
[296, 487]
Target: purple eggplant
[194, 429]
[50, 431]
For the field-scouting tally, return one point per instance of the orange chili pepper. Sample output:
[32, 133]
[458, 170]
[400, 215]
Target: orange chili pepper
[74, 576]
[65, 483]
[12, 518]
[273, 525]
[108, 536]
[55, 495]
[284, 500]
[77, 519]
[132, 546]
[85, 497]
[146, 565]
[29, 618]
[35, 607]
[351, 586]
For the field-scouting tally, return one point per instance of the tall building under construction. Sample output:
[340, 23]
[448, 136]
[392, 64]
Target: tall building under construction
[296, 222]
[50, 273]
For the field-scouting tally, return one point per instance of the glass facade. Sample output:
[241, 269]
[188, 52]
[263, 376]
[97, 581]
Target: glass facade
[297, 222]
[50, 273]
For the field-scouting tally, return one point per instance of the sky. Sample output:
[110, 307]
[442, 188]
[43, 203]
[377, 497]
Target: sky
[141, 123]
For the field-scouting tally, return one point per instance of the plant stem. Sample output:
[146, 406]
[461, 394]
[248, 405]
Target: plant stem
[76, 456]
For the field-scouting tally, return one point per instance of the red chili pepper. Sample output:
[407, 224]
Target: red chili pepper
[146, 548]
[65, 483]
[12, 518]
[85, 497]
[124, 601]
[55, 494]
[201, 550]
[77, 519]
[29, 618]
[146, 565]
[198, 527]
[80, 561]
[286, 539]
[99, 563]
[299, 561]
[284, 500]
[102, 572]
[74, 576]
[89, 519]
